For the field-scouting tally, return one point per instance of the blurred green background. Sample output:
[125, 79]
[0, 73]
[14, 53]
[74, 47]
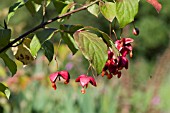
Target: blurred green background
[143, 88]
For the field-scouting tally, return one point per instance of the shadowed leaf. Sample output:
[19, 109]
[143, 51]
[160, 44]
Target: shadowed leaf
[4, 90]
[9, 63]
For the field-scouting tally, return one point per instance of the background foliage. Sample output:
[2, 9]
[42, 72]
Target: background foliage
[141, 89]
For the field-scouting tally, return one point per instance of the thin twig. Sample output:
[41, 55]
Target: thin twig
[43, 10]
[45, 23]
[110, 29]
[55, 58]
[115, 34]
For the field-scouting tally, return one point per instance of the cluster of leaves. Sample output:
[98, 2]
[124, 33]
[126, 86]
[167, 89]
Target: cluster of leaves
[93, 47]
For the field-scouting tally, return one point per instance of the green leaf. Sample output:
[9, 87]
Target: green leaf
[39, 39]
[67, 8]
[108, 9]
[67, 36]
[68, 39]
[105, 36]
[59, 5]
[32, 7]
[5, 90]
[126, 10]
[93, 48]
[9, 63]
[5, 35]
[94, 9]
[70, 28]
[35, 45]
[49, 50]
[38, 1]
[45, 34]
[12, 10]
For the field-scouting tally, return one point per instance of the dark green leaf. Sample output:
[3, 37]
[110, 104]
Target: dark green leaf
[59, 5]
[49, 50]
[67, 36]
[45, 34]
[94, 9]
[70, 28]
[4, 90]
[93, 48]
[126, 10]
[38, 1]
[32, 7]
[68, 39]
[108, 9]
[12, 10]
[9, 63]
[5, 35]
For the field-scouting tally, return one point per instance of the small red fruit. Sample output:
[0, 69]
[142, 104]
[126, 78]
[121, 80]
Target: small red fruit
[136, 31]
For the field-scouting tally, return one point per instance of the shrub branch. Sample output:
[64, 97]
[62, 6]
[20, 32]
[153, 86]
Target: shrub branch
[46, 23]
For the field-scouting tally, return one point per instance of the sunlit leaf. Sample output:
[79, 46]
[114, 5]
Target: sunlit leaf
[94, 9]
[49, 50]
[155, 4]
[4, 90]
[93, 48]
[67, 8]
[9, 63]
[126, 10]
[12, 10]
[39, 39]
[108, 9]
[35, 45]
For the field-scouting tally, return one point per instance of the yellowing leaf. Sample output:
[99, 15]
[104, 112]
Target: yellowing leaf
[22, 52]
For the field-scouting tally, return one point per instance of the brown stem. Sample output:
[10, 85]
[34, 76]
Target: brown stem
[45, 23]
